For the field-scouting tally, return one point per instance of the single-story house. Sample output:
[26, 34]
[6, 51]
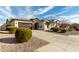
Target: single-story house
[22, 22]
[34, 23]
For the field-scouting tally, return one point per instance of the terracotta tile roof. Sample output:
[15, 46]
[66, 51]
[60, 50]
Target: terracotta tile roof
[19, 19]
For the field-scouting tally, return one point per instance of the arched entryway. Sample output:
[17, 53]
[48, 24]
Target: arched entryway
[36, 26]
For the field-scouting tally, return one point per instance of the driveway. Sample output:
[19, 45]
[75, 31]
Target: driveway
[57, 42]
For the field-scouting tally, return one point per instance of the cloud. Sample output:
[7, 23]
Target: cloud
[67, 7]
[29, 12]
[46, 10]
[59, 13]
[64, 11]
[74, 18]
[71, 18]
[26, 12]
[43, 10]
[48, 16]
[23, 13]
[8, 8]
[6, 11]
[2, 17]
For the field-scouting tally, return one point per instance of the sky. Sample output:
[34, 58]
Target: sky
[70, 13]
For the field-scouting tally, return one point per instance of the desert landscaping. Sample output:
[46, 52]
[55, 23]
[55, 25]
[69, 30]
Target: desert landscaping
[42, 42]
[8, 43]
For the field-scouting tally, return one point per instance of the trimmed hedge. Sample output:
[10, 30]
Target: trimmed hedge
[23, 35]
[12, 29]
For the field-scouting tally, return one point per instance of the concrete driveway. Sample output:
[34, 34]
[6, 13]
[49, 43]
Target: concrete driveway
[57, 42]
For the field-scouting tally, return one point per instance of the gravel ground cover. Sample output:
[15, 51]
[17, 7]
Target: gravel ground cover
[8, 43]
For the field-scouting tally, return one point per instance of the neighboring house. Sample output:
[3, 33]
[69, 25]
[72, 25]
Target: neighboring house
[21, 22]
[51, 23]
[3, 27]
[48, 24]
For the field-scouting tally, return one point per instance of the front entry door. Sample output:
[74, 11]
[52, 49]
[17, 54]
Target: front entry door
[36, 26]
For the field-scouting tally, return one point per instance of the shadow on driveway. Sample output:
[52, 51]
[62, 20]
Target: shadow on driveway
[8, 40]
[4, 32]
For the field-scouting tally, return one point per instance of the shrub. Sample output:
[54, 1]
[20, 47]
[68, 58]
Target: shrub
[62, 30]
[70, 28]
[55, 29]
[76, 28]
[23, 35]
[12, 29]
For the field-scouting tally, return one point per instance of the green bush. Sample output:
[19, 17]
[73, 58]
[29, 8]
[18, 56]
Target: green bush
[23, 35]
[70, 29]
[12, 29]
[62, 30]
[76, 28]
[55, 29]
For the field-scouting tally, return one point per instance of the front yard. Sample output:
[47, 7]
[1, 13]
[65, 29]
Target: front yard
[41, 41]
[70, 33]
[8, 43]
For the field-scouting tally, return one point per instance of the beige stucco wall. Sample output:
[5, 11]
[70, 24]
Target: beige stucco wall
[41, 25]
[16, 23]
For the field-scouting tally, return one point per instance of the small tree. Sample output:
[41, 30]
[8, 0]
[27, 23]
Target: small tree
[7, 22]
[65, 23]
